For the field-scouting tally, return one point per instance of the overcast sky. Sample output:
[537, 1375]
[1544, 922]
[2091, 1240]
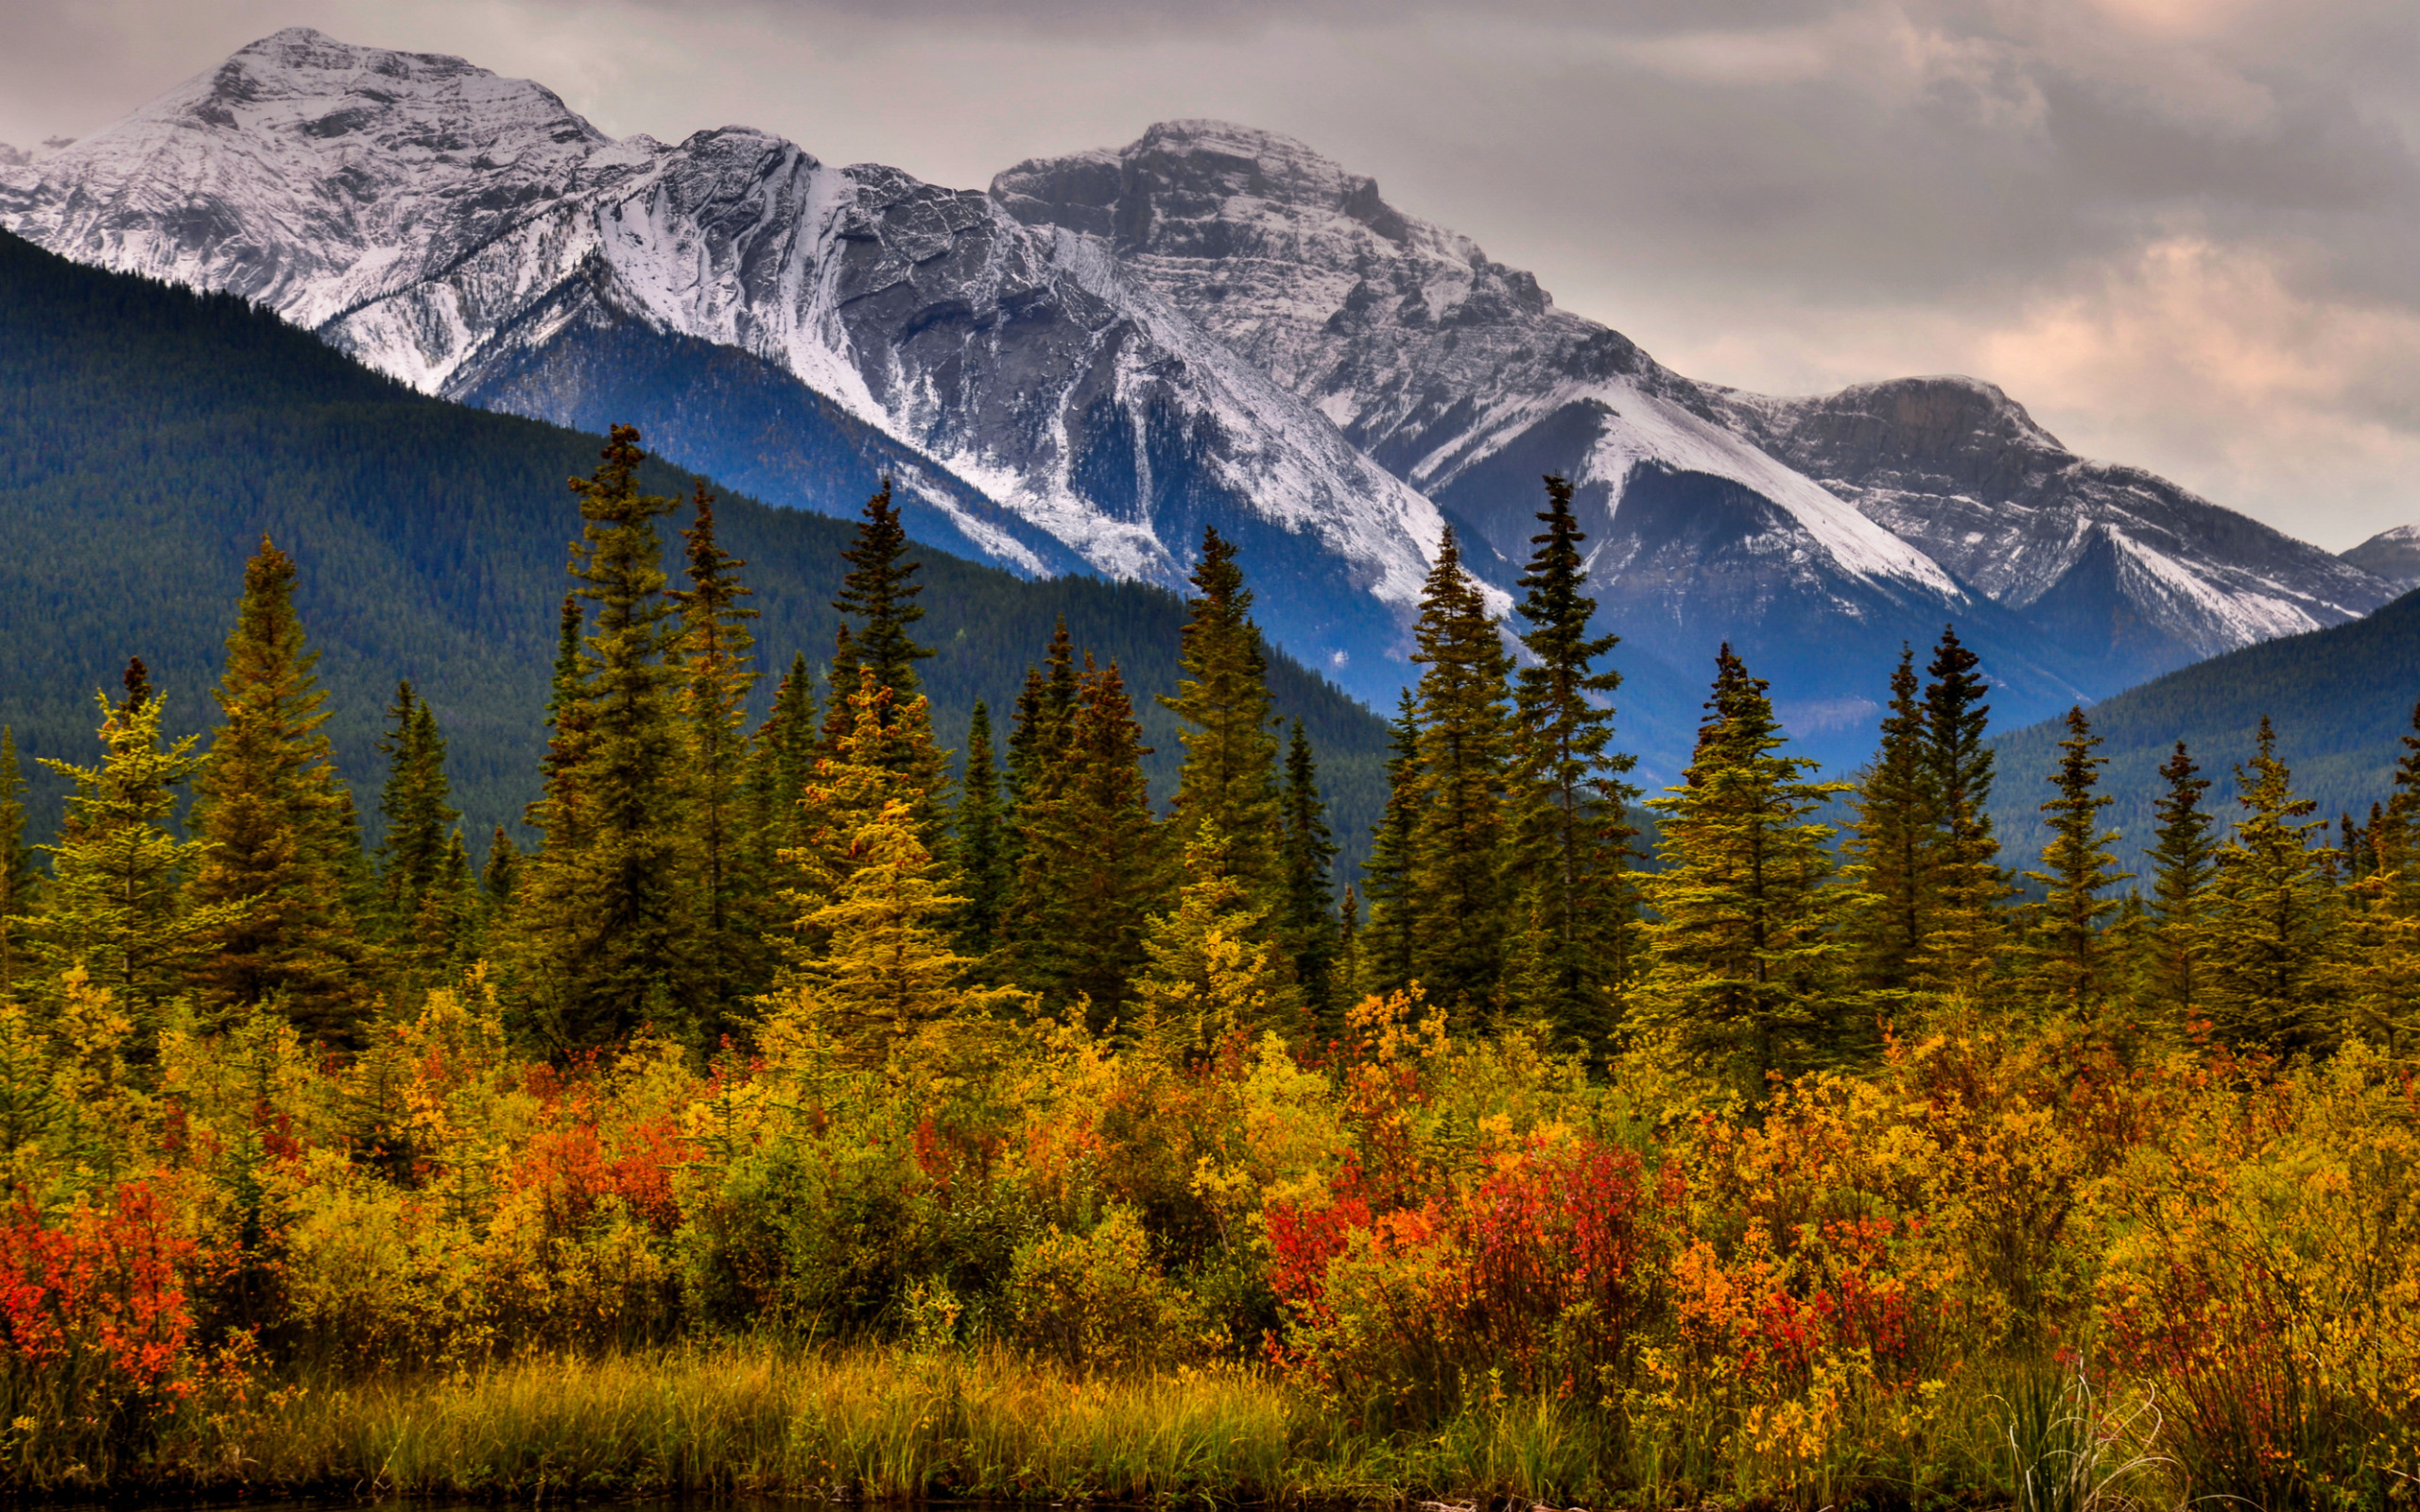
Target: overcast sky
[2183, 233]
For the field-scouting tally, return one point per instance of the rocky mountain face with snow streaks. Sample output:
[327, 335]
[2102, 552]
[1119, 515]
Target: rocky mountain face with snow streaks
[1083, 366]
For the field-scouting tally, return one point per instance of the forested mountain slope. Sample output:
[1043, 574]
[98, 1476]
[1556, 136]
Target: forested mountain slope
[154, 434]
[2341, 699]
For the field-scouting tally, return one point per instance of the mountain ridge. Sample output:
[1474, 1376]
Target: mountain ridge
[1080, 366]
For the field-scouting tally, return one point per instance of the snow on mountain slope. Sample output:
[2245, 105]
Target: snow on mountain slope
[472, 236]
[1422, 350]
[1461, 375]
[2393, 556]
[1960, 469]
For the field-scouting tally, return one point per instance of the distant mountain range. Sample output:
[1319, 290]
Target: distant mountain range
[1082, 367]
[154, 435]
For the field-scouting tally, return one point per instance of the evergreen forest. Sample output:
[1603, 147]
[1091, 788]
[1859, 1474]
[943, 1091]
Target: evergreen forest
[795, 1097]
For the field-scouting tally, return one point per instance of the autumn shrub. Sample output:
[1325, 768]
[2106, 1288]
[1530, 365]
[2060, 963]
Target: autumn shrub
[2266, 1285]
[97, 1337]
[1096, 1300]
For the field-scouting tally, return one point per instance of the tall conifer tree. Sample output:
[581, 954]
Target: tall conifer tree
[718, 657]
[880, 591]
[1228, 782]
[976, 832]
[1891, 851]
[117, 903]
[1307, 923]
[1571, 842]
[415, 805]
[269, 819]
[1386, 942]
[1963, 945]
[1093, 870]
[2184, 860]
[1461, 912]
[605, 911]
[2274, 917]
[2077, 868]
[1748, 972]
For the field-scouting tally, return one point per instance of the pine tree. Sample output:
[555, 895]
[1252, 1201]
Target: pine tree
[1460, 913]
[2184, 860]
[500, 878]
[117, 903]
[2396, 831]
[20, 880]
[1748, 975]
[718, 658]
[1038, 727]
[977, 831]
[604, 916]
[1349, 969]
[1092, 872]
[878, 590]
[567, 716]
[1960, 950]
[1228, 782]
[2077, 868]
[1210, 978]
[269, 820]
[887, 973]
[415, 805]
[780, 762]
[1387, 950]
[1889, 852]
[2274, 917]
[1308, 925]
[1571, 841]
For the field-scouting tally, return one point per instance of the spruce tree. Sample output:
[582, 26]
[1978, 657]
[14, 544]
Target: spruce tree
[781, 760]
[879, 590]
[1386, 943]
[605, 915]
[416, 808]
[1748, 973]
[2184, 860]
[2274, 917]
[718, 654]
[1963, 945]
[1571, 839]
[2077, 868]
[976, 829]
[1461, 911]
[1228, 782]
[1308, 925]
[268, 818]
[117, 903]
[1210, 979]
[887, 972]
[1093, 870]
[500, 878]
[1889, 852]
[18, 878]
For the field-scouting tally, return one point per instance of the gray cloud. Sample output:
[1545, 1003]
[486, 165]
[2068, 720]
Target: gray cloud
[2181, 230]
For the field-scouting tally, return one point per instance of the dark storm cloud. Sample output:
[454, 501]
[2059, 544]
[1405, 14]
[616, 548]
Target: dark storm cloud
[2180, 230]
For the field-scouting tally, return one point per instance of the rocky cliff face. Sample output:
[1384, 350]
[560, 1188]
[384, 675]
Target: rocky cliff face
[1461, 376]
[2137, 574]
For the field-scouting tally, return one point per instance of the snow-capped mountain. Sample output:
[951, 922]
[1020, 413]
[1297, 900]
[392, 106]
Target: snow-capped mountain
[1083, 366]
[474, 236]
[1462, 377]
[2392, 555]
[2135, 575]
